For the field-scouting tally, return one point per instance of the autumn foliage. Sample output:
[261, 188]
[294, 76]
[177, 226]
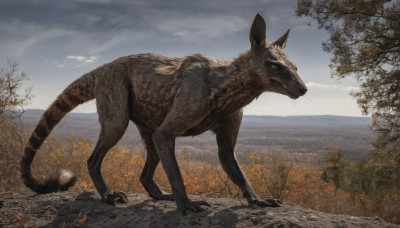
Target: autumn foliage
[271, 175]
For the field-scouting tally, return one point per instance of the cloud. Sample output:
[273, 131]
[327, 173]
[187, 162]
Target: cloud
[45, 35]
[125, 37]
[315, 85]
[19, 37]
[81, 60]
[321, 86]
[204, 26]
[96, 26]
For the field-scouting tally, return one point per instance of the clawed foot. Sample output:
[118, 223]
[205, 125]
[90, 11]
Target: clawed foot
[115, 197]
[194, 206]
[266, 203]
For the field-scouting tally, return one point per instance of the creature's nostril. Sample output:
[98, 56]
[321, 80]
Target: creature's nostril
[303, 90]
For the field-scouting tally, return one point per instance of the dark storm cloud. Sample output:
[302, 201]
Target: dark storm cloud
[94, 26]
[92, 16]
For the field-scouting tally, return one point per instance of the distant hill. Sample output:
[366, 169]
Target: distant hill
[304, 134]
[252, 120]
[36, 113]
[300, 121]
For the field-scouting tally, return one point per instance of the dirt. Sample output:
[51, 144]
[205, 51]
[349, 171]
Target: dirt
[81, 208]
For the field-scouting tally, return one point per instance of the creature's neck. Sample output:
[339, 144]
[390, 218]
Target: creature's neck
[232, 86]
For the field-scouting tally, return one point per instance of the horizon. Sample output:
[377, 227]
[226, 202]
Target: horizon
[248, 115]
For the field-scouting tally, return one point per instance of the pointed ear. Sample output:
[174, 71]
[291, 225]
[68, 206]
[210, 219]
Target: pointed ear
[258, 32]
[282, 40]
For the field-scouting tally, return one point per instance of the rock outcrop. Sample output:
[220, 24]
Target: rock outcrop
[84, 209]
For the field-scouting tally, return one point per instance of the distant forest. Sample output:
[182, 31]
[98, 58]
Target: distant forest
[292, 134]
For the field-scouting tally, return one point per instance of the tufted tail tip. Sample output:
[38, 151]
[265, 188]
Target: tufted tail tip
[66, 180]
[56, 183]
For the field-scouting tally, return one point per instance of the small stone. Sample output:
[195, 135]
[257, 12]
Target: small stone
[270, 215]
[214, 221]
[85, 196]
[247, 217]
[279, 224]
[262, 212]
[113, 215]
[256, 220]
[67, 198]
[312, 217]
[49, 213]
[254, 206]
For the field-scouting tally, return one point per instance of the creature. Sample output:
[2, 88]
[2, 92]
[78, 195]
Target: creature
[168, 97]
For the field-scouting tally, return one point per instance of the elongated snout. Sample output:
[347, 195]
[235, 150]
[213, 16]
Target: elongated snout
[296, 89]
[303, 89]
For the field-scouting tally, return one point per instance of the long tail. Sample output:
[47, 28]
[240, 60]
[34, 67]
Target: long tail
[76, 93]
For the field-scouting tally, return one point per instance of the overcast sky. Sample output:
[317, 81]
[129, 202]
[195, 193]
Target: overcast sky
[55, 42]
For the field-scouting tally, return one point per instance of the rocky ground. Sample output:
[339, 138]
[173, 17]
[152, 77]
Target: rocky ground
[84, 209]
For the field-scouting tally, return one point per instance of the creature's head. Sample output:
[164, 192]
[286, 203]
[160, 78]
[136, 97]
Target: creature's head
[269, 65]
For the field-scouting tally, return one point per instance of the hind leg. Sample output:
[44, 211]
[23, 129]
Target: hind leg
[108, 138]
[146, 178]
[110, 134]
[114, 118]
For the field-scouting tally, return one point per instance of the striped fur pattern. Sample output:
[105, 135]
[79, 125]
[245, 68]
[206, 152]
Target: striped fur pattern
[78, 92]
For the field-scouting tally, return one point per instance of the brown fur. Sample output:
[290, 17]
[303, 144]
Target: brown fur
[167, 97]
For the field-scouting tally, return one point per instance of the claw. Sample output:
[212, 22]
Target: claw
[193, 206]
[274, 202]
[202, 202]
[121, 197]
[115, 197]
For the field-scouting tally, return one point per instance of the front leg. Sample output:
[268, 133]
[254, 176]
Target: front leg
[165, 146]
[226, 132]
[189, 109]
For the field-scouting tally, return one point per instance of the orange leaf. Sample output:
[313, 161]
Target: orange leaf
[82, 219]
